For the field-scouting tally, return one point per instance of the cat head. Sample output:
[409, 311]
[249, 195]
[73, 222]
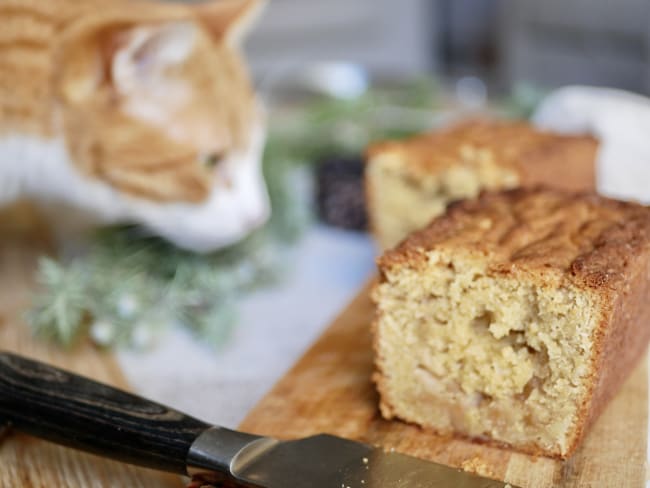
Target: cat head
[155, 102]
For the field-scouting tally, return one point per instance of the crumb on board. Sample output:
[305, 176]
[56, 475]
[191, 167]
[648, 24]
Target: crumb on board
[477, 466]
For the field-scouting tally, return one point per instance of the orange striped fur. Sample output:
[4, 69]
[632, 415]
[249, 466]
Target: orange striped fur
[60, 77]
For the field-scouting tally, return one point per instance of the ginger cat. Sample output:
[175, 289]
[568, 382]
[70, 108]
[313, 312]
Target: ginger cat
[133, 110]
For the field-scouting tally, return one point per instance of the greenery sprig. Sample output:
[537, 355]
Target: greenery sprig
[128, 287]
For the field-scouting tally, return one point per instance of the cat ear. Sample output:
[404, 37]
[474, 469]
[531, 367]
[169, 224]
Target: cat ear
[144, 52]
[89, 48]
[229, 20]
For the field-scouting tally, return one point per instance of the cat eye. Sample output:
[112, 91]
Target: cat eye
[212, 159]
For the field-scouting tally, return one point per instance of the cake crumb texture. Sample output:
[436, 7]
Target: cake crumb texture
[514, 317]
[477, 466]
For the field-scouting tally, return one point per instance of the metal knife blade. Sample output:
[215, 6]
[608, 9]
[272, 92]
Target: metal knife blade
[327, 461]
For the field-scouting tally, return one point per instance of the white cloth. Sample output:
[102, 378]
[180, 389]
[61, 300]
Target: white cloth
[276, 327]
[621, 120]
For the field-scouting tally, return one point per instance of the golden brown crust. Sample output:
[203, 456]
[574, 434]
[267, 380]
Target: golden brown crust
[623, 337]
[428, 168]
[537, 155]
[585, 236]
[562, 161]
[598, 244]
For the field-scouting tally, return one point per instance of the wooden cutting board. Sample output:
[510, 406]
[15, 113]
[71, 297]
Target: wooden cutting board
[30, 463]
[329, 390]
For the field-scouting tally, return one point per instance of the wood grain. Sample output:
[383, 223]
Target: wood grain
[329, 390]
[26, 462]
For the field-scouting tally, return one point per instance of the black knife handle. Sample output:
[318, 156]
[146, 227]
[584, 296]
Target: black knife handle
[71, 410]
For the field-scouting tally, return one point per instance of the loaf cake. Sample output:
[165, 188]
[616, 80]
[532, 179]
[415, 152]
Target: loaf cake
[410, 182]
[513, 318]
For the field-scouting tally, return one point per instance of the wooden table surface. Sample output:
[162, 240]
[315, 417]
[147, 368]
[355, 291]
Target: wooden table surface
[329, 390]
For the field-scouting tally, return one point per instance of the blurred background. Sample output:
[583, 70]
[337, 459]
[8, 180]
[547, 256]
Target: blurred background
[503, 42]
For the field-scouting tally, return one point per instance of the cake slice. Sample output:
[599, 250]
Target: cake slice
[514, 317]
[410, 182]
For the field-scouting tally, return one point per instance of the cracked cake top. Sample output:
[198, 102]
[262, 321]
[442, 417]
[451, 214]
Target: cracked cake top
[591, 239]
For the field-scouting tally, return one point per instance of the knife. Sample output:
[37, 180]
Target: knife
[71, 410]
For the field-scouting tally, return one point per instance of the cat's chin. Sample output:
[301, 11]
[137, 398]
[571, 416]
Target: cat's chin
[229, 214]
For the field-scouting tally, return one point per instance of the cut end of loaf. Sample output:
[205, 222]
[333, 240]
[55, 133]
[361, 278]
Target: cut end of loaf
[402, 200]
[410, 182]
[501, 356]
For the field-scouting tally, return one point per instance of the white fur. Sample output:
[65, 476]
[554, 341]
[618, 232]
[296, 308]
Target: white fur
[41, 169]
[150, 50]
